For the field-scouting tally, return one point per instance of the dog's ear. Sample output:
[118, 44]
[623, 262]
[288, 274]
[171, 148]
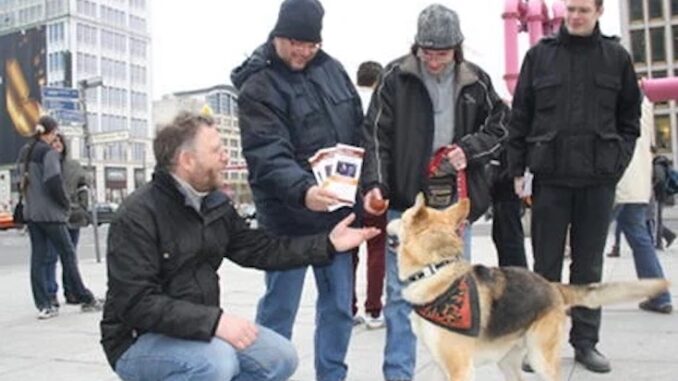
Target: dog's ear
[419, 210]
[459, 211]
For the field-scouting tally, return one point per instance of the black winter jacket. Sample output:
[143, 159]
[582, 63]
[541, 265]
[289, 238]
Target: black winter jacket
[576, 111]
[398, 132]
[163, 258]
[285, 117]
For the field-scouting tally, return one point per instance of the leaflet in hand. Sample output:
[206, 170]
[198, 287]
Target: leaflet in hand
[338, 170]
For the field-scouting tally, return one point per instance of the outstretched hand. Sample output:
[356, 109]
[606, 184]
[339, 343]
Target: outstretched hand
[344, 237]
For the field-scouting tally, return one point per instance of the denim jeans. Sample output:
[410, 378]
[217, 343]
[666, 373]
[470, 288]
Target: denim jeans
[400, 352]
[631, 219]
[158, 357]
[41, 233]
[50, 268]
[278, 307]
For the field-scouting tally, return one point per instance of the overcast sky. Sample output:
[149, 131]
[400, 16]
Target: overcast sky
[197, 43]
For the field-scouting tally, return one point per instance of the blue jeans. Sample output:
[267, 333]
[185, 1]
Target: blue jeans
[50, 268]
[158, 357]
[278, 307]
[400, 352]
[631, 219]
[41, 233]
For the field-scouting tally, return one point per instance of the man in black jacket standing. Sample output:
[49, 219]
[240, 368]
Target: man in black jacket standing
[162, 317]
[575, 121]
[294, 100]
[427, 101]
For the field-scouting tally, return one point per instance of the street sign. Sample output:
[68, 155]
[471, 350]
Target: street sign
[60, 104]
[63, 104]
[60, 93]
[68, 116]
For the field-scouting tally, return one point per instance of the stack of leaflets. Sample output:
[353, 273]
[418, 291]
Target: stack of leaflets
[338, 170]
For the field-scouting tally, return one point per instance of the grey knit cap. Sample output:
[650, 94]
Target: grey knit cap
[438, 28]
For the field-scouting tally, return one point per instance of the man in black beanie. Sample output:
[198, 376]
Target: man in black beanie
[294, 100]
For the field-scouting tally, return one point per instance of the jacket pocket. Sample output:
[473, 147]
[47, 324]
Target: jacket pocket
[545, 90]
[608, 154]
[541, 152]
[607, 88]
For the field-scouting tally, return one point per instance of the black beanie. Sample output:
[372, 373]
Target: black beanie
[300, 20]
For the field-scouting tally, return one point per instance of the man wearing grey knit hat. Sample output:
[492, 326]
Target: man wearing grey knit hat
[428, 103]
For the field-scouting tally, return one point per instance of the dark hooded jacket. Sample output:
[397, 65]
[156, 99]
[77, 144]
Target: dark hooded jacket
[576, 111]
[286, 116]
[399, 129]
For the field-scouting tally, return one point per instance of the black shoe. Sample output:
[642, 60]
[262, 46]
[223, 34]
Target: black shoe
[71, 299]
[669, 239]
[526, 367]
[665, 308]
[54, 301]
[592, 360]
[614, 253]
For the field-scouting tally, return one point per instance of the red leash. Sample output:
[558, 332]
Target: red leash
[462, 186]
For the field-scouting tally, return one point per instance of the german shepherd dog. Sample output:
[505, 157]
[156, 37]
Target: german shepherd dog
[467, 314]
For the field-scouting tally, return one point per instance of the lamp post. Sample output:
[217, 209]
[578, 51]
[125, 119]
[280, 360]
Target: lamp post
[83, 85]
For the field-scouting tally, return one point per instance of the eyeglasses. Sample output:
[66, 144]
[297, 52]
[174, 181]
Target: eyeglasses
[435, 55]
[305, 45]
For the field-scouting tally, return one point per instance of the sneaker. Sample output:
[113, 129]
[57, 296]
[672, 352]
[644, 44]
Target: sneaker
[664, 308]
[48, 313]
[93, 306]
[374, 322]
[71, 299]
[358, 320]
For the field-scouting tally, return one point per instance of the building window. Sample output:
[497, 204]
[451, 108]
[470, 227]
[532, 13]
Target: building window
[674, 32]
[86, 34]
[635, 10]
[138, 4]
[137, 23]
[55, 33]
[657, 44]
[87, 8]
[662, 126]
[656, 9]
[674, 8]
[139, 128]
[638, 46]
[137, 48]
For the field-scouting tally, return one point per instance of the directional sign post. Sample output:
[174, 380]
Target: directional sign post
[63, 104]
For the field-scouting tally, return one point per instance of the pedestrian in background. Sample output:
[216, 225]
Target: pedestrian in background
[77, 188]
[367, 77]
[575, 120]
[661, 166]
[633, 194]
[294, 100]
[430, 103]
[46, 211]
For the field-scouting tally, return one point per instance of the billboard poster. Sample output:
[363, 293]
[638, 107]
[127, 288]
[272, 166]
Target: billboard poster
[22, 72]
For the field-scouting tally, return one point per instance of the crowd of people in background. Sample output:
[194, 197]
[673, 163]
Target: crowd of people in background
[574, 124]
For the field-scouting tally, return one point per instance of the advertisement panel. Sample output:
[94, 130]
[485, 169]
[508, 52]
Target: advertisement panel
[22, 72]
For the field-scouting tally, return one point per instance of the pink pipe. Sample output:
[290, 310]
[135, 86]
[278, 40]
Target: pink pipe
[535, 20]
[511, 18]
[558, 11]
[660, 89]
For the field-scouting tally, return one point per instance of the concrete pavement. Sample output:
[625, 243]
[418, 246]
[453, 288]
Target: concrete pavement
[641, 345]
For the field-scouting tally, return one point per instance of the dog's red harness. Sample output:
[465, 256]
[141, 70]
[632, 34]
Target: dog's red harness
[457, 309]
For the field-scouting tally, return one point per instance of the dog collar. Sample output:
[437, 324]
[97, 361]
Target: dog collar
[427, 271]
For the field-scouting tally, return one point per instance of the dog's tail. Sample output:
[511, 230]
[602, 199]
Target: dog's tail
[598, 294]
